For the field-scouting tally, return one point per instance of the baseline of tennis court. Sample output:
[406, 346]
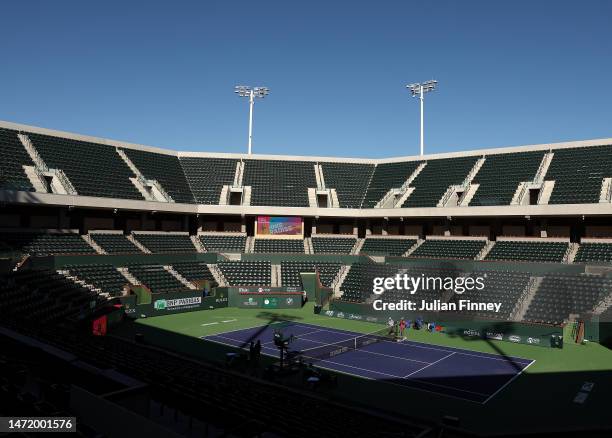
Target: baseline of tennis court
[447, 371]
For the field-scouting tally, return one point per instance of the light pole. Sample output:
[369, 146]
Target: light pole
[419, 89]
[251, 93]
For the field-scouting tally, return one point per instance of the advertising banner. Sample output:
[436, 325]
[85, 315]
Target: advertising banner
[274, 226]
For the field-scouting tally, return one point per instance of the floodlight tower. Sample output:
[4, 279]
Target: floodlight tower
[251, 93]
[419, 89]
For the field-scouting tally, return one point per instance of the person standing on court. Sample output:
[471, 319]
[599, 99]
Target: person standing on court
[402, 327]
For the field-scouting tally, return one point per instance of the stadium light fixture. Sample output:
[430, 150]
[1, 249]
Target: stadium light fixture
[251, 93]
[419, 90]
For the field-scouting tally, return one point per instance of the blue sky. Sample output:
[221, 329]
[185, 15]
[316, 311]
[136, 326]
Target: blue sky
[162, 73]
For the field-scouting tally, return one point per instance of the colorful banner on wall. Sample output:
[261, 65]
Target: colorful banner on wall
[279, 226]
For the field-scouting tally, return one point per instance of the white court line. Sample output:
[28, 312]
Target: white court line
[209, 323]
[427, 366]
[230, 320]
[508, 382]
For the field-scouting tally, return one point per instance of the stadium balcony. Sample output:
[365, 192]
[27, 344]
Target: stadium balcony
[290, 272]
[450, 248]
[156, 278]
[279, 246]
[207, 176]
[535, 250]
[102, 276]
[333, 245]
[93, 169]
[350, 181]
[501, 174]
[165, 242]
[247, 273]
[41, 243]
[114, 243]
[558, 297]
[13, 157]
[386, 246]
[221, 242]
[278, 182]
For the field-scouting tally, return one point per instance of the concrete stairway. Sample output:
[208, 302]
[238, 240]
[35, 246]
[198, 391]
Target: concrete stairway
[87, 238]
[140, 246]
[179, 277]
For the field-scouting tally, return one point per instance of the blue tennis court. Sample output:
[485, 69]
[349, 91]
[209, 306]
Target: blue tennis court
[447, 371]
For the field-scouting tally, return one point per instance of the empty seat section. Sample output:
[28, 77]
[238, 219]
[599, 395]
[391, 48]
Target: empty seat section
[166, 243]
[102, 276]
[12, 158]
[220, 243]
[350, 181]
[501, 174]
[387, 176]
[279, 246]
[594, 252]
[276, 182]
[451, 248]
[383, 246]
[114, 243]
[578, 174]
[436, 177]
[247, 273]
[194, 271]
[93, 169]
[166, 169]
[357, 285]
[207, 176]
[41, 244]
[333, 245]
[561, 295]
[156, 278]
[528, 251]
[290, 272]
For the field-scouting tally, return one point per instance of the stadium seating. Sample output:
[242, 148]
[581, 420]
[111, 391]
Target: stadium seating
[451, 248]
[357, 286]
[193, 271]
[290, 272]
[41, 244]
[207, 176]
[155, 277]
[114, 243]
[333, 245]
[578, 174]
[386, 246]
[166, 243]
[12, 157]
[501, 174]
[279, 246]
[528, 251]
[247, 273]
[276, 182]
[350, 181]
[166, 169]
[221, 243]
[436, 177]
[102, 276]
[386, 177]
[594, 252]
[93, 169]
[561, 295]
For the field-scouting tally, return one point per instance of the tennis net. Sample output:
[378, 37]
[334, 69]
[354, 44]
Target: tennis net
[334, 349]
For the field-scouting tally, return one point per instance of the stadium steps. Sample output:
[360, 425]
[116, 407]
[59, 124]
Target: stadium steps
[544, 165]
[239, 174]
[340, 277]
[308, 246]
[545, 192]
[468, 195]
[128, 275]
[395, 198]
[151, 189]
[605, 193]
[482, 254]
[451, 195]
[140, 246]
[571, 252]
[217, 274]
[87, 238]
[82, 283]
[250, 245]
[179, 277]
[275, 276]
[523, 303]
[603, 305]
[35, 178]
[521, 195]
[414, 247]
[198, 244]
[358, 245]
[246, 195]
